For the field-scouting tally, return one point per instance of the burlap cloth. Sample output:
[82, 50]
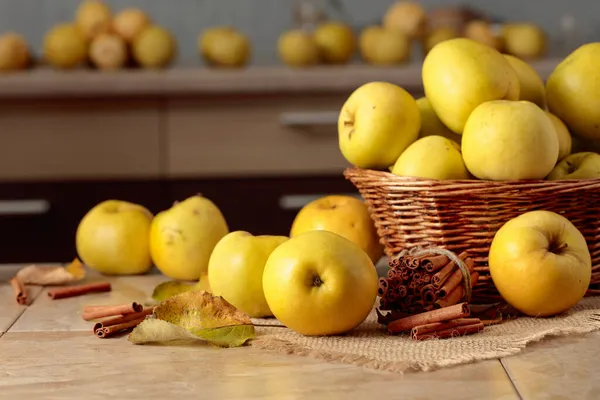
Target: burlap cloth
[369, 345]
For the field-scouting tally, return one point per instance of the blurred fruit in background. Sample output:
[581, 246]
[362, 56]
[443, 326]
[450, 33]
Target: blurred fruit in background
[367, 41]
[407, 17]
[385, 47]
[92, 18]
[129, 23]
[524, 40]
[438, 35]
[298, 48]
[154, 47]
[14, 52]
[336, 42]
[65, 46]
[482, 31]
[108, 51]
[531, 86]
[224, 46]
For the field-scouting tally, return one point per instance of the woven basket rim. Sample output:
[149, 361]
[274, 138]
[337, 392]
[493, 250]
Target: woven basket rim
[387, 178]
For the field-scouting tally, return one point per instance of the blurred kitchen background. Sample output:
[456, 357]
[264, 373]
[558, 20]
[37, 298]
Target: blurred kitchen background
[259, 140]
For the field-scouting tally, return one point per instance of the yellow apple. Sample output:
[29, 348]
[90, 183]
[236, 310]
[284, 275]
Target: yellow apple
[154, 47]
[345, 215]
[460, 74]
[565, 141]
[14, 52]
[336, 42]
[531, 85]
[64, 47]
[129, 23]
[432, 157]
[509, 140]
[367, 41]
[431, 124]
[108, 51]
[389, 47]
[112, 238]
[438, 35]
[207, 37]
[235, 270]
[183, 237]
[572, 91]
[92, 18]
[524, 40]
[407, 17]
[584, 165]
[482, 32]
[298, 48]
[319, 283]
[225, 47]
[540, 263]
[377, 122]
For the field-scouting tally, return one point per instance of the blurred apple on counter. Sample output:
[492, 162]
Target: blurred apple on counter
[378, 121]
[64, 46]
[235, 270]
[14, 52]
[320, 283]
[224, 46]
[92, 18]
[297, 48]
[438, 35]
[565, 141]
[584, 165]
[531, 85]
[524, 40]
[108, 51]
[385, 47]
[482, 32]
[154, 47]
[345, 215]
[408, 17]
[432, 157]
[547, 246]
[129, 23]
[336, 42]
[112, 238]
[367, 41]
[183, 237]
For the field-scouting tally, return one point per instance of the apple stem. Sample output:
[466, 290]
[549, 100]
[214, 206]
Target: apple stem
[559, 248]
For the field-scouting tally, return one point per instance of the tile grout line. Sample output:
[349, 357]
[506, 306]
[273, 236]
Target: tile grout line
[510, 378]
[22, 312]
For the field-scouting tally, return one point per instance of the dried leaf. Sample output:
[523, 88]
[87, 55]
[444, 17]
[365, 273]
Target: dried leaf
[169, 289]
[52, 275]
[202, 315]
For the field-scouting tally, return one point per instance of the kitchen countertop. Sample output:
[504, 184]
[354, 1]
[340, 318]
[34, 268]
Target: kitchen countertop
[48, 351]
[45, 82]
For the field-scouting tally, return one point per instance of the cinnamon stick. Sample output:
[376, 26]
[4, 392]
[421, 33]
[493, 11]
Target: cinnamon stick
[20, 291]
[452, 298]
[439, 278]
[79, 290]
[443, 314]
[122, 318]
[434, 263]
[111, 311]
[438, 326]
[454, 281]
[453, 331]
[114, 329]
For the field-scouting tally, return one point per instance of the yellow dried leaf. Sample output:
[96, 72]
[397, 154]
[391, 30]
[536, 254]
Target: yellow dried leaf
[156, 330]
[202, 315]
[51, 275]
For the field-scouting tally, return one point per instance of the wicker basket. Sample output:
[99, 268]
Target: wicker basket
[465, 215]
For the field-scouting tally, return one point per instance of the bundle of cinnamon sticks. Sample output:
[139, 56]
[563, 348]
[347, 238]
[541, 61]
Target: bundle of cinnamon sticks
[424, 283]
[442, 323]
[115, 319]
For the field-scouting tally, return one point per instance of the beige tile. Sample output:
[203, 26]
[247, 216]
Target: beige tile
[9, 309]
[76, 363]
[562, 368]
[65, 314]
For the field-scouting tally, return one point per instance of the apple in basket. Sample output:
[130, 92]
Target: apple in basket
[540, 263]
[584, 165]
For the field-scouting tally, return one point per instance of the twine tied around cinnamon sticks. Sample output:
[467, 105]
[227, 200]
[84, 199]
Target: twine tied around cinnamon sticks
[424, 251]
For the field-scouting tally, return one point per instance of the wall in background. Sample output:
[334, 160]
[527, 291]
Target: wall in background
[264, 20]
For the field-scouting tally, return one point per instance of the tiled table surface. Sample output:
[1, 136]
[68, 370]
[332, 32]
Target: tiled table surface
[47, 351]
